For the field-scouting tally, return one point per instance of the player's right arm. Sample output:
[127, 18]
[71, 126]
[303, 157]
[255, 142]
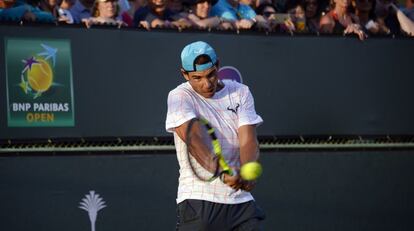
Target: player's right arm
[197, 148]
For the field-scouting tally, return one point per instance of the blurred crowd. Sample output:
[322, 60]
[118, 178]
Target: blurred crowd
[359, 17]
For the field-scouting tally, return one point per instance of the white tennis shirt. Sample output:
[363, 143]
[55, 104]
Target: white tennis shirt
[229, 109]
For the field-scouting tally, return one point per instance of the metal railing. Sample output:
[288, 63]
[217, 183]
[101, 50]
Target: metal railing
[166, 144]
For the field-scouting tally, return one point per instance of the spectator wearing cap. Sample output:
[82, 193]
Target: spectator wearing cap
[242, 15]
[27, 10]
[156, 14]
[104, 12]
[200, 17]
[339, 20]
[82, 9]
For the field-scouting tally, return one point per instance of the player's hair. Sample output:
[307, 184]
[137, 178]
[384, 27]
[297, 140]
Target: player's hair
[202, 59]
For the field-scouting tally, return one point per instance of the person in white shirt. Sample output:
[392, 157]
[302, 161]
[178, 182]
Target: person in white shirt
[226, 202]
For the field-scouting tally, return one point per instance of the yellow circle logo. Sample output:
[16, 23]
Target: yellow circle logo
[40, 76]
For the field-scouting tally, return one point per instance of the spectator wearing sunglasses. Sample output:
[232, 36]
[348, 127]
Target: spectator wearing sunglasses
[268, 11]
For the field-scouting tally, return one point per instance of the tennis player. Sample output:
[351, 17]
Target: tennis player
[226, 202]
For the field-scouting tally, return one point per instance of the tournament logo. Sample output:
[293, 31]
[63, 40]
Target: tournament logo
[92, 203]
[231, 73]
[39, 83]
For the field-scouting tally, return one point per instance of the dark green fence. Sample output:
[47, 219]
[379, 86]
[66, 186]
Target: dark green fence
[302, 85]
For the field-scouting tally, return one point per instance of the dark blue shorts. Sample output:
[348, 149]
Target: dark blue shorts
[198, 215]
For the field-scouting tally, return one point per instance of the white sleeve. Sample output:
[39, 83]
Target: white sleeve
[247, 112]
[180, 109]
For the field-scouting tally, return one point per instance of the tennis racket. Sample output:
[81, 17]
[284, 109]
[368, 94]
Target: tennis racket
[204, 152]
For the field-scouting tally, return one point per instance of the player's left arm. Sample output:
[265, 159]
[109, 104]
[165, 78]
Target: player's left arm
[249, 151]
[249, 146]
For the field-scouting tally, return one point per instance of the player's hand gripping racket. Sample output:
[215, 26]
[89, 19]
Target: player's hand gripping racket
[204, 151]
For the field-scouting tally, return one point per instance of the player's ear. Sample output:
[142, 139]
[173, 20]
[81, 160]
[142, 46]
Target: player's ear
[185, 74]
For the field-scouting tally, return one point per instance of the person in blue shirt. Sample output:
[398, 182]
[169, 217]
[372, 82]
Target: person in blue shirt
[26, 10]
[243, 16]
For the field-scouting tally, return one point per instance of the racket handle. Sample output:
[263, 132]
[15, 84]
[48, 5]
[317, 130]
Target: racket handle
[225, 167]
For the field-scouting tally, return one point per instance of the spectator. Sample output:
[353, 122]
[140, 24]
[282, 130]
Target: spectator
[200, 17]
[365, 12]
[64, 12]
[28, 11]
[175, 6]
[243, 16]
[156, 14]
[409, 9]
[340, 21]
[297, 22]
[123, 15]
[313, 12]
[254, 4]
[6, 4]
[128, 16]
[386, 16]
[104, 12]
[81, 10]
[52, 6]
[268, 11]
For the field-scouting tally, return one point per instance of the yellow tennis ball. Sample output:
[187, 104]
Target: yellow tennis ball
[251, 171]
[40, 76]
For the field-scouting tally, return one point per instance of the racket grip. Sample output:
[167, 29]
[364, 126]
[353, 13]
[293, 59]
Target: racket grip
[225, 167]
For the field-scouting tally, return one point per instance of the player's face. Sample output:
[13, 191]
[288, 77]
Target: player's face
[203, 82]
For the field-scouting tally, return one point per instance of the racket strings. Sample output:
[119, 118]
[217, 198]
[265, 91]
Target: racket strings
[202, 159]
[201, 150]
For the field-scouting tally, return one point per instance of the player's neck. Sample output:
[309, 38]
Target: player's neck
[220, 86]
